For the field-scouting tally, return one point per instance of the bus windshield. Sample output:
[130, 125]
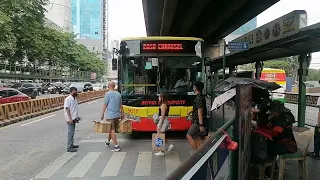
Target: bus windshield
[150, 72]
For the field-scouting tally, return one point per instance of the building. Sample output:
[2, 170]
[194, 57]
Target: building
[247, 27]
[88, 23]
[58, 15]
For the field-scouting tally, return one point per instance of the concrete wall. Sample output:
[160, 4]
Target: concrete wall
[94, 45]
[59, 12]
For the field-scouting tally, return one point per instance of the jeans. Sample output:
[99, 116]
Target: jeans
[71, 129]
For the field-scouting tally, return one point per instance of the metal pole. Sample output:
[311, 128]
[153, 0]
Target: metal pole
[224, 73]
[302, 101]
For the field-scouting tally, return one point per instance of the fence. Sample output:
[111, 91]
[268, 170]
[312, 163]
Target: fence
[18, 111]
[312, 110]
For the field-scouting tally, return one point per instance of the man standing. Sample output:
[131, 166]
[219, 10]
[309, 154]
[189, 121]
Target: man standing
[71, 113]
[111, 111]
[199, 117]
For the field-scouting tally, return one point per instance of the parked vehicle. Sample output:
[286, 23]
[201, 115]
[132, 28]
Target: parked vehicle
[56, 87]
[97, 87]
[66, 88]
[10, 95]
[82, 86]
[27, 88]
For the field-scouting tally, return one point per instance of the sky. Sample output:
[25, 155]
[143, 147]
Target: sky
[126, 18]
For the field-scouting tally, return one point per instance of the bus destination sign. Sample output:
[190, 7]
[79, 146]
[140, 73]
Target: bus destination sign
[162, 46]
[185, 47]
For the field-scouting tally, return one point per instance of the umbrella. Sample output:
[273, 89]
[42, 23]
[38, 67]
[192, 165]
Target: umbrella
[221, 99]
[259, 84]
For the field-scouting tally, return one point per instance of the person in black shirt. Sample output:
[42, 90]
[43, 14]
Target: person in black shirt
[199, 116]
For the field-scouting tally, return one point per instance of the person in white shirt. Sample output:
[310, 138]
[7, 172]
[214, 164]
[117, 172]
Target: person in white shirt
[71, 113]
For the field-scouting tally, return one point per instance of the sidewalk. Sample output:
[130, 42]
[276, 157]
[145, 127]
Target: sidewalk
[292, 170]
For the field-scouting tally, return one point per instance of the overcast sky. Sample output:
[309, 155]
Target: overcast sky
[126, 17]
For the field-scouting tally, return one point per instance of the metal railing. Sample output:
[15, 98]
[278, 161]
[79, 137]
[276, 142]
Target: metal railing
[29, 72]
[191, 168]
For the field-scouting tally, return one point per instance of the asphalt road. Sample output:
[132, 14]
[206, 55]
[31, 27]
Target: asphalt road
[48, 95]
[36, 148]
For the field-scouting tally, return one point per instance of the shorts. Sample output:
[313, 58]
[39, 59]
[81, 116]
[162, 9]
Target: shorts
[194, 131]
[114, 123]
[165, 125]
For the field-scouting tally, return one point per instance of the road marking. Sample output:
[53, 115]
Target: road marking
[114, 164]
[172, 161]
[37, 120]
[55, 166]
[84, 165]
[92, 102]
[143, 166]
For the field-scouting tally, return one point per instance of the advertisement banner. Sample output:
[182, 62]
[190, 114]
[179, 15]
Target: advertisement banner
[93, 76]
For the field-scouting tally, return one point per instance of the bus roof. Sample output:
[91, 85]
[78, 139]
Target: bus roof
[154, 38]
[270, 70]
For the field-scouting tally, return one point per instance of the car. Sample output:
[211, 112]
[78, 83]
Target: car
[56, 87]
[97, 87]
[81, 86]
[66, 87]
[10, 95]
[27, 88]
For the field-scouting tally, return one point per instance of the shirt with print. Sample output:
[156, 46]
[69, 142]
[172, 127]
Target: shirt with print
[199, 102]
[113, 101]
[71, 103]
[286, 137]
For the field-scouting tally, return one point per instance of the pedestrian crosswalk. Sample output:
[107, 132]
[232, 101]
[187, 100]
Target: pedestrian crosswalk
[112, 164]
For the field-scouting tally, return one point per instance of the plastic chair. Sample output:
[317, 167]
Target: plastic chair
[300, 156]
[265, 164]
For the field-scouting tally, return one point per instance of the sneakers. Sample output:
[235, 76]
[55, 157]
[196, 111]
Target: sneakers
[107, 143]
[116, 148]
[71, 150]
[170, 147]
[75, 146]
[160, 153]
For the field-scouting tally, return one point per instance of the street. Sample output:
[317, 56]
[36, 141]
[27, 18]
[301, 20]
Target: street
[36, 149]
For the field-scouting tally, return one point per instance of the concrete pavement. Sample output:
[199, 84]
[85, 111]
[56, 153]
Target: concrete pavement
[37, 148]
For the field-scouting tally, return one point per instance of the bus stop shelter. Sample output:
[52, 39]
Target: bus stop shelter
[301, 44]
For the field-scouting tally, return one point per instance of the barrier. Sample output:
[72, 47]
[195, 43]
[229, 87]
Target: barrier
[15, 112]
[293, 98]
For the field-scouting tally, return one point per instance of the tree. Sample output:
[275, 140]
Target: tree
[313, 75]
[7, 38]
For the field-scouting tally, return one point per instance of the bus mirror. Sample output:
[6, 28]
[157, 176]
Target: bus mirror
[114, 64]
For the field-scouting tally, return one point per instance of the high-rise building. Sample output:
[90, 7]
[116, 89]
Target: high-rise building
[58, 15]
[247, 27]
[88, 23]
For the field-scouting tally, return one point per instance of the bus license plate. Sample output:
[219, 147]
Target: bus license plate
[169, 127]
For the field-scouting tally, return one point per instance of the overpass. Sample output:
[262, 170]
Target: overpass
[208, 19]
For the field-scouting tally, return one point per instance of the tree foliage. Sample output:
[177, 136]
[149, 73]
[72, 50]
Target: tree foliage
[290, 65]
[23, 36]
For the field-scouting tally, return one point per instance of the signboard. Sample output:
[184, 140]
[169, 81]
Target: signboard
[93, 76]
[162, 46]
[282, 27]
[217, 166]
[146, 100]
[243, 130]
[238, 45]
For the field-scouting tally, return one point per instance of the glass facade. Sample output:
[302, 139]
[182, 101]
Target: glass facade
[87, 18]
[247, 27]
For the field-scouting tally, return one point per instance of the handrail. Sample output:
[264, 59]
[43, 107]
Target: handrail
[195, 157]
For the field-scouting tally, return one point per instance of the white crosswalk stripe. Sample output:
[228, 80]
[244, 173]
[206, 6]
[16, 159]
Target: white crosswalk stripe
[81, 169]
[114, 164]
[75, 165]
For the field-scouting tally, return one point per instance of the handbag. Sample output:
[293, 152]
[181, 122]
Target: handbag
[156, 118]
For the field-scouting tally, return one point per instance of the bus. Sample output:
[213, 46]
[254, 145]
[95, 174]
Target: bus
[278, 76]
[148, 66]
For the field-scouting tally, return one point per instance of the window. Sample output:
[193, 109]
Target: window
[12, 93]
[3, 94]
[96, 33]
[27, 85]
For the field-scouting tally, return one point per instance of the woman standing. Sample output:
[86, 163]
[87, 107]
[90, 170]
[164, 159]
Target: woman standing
[163, 124]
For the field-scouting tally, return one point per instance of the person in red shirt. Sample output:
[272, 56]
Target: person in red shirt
[279, 131]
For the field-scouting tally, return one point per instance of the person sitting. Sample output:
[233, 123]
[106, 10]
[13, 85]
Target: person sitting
[280, 135]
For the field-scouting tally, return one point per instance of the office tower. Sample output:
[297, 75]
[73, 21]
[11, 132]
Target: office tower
[58, 15]
[88, 23]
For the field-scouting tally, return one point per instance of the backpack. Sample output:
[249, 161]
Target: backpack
[259, 151]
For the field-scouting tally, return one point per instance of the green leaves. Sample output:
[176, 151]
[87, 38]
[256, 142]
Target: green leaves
[24, 36]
